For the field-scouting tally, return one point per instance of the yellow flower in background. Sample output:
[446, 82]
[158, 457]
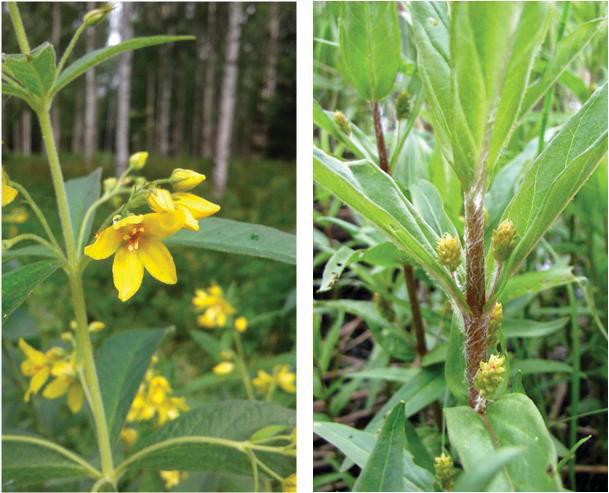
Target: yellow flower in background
[241, 324]
[223, 368]
[173, 478]
[263, 382]
[66, 382]
[214, 306]
[285, 379]
[184, 180]
[136, 244]
[193, 206]
[289, 484]
[129, 436]
[37, 366]
[154, 399]
[8, 192]
[17, 215]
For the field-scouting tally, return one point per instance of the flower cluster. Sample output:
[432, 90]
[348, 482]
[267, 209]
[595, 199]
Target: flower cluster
[17, 215]
[489, 376]
[135, 240]
[173, 478]
[58, 364]
[289, 484]
[445, 471]
[213, 306]
[281, 377]
[449, 252]
[504, 240]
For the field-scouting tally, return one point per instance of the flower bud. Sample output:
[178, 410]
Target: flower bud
[341, 120]
[241, 324]
[504, 240]
[110, 184]
[160, 200]
[129, 436]
[138, 160]
[224, 368]
[496, 315]
[449, 252]
[116, 201]
[489, 376]
[402, 106]
[95, 16]
[445, 471]
[184, 180]
[96, 326]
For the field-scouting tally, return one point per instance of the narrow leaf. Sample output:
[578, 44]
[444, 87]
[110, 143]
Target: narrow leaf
[82, 192]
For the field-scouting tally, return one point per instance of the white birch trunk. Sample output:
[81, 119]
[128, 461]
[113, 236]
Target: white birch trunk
[123, 97]
[210, 83]
[90, 137]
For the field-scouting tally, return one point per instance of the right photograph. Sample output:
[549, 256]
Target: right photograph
[460, 246]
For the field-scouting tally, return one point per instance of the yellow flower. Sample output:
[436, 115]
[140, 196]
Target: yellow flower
[173, 478]
[489, 375]
[8, 192]
[445, 471]
[263, 382]
[223, 368]
[37, 366]
[184, 180]
[289, 484]
[17, 215]
[129, 436]
[241, 324]
[66, 382]
[138, 160]
[193, 206]
[285, 379]
[449, 252]
[504, 240]
[96, 326]
[214, 306]
[136, 243]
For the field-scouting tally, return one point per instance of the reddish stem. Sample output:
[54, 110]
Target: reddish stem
[380, 139]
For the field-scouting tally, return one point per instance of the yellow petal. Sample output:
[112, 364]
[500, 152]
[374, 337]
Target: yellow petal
[32, 354]
[191, 223]
[160, 200]
[39, 379]
[198, 206]
[106, 243]
[8, 192]
[163, 224]
[76, 396]
[128, 221]
[57, 387]
[185, 179]
[158, 261]
[128, 272]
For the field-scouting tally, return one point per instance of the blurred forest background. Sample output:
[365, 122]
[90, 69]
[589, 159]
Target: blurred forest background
[225, 102]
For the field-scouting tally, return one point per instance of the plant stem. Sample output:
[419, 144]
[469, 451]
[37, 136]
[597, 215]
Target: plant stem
[476, 323]
[70, 47]
[84, 349]
[24, 46]
[380, 139]
[417, 321]
[242, 366]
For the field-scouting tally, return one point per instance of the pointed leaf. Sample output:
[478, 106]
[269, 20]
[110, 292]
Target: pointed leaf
[479, 479]
[429, 203]
[82, 192]
[36, 73]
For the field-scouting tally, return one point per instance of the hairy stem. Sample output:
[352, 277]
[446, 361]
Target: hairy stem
[380, 139]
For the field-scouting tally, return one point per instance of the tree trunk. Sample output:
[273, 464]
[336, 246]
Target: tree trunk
[77, 131]
[178, 117]
[227, 98]
[90, 101]
[26, 132]
[210, 83]
[269, 83]
[55, 41]
[123, 97]
[150, 105]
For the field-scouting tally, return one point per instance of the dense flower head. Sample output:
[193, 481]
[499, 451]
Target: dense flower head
[402, 105]
[184, 180]
[445, 471]
[57, 364]
[173, 478]
[504, 240]
[154, 399]
[496, 316]
[289, 484]
[342, 121]
[8, 193]
[214, 307]
[281, 377]
[449, 252]
[135, 242]
[489, 376]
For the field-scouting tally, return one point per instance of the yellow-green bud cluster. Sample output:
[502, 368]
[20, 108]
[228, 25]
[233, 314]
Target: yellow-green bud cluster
[384, 307]
[504, 240]
[489, 376]
[95, 16]
[449, 252]
[342, 121]
[445, 471]
[495, 322]
[138, 160]
[402, 106]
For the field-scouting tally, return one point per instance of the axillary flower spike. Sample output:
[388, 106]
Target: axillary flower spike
[135, 242]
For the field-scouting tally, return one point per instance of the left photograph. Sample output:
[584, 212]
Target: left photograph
[148, 246]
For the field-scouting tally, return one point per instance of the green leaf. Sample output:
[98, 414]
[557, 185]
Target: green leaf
[531, 283]
[567, 50]
[122, 362]
[383, 469]
[391, 374]
[82, 192]
[208, 343]
[185, 443]
[415, 445]
[18, 284]
[530, 328]
[96, 57]
[533, 366]
[454, 368]
[555, 177]
[370, 47]
[28, 251]
[479, 479]
[335, 266]
[14, 90]
[384, 254]
[226, 235]
[428, 201]
[515, 422]
[28, 459]
[374, 194]
[36, 73]
[357, 446]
